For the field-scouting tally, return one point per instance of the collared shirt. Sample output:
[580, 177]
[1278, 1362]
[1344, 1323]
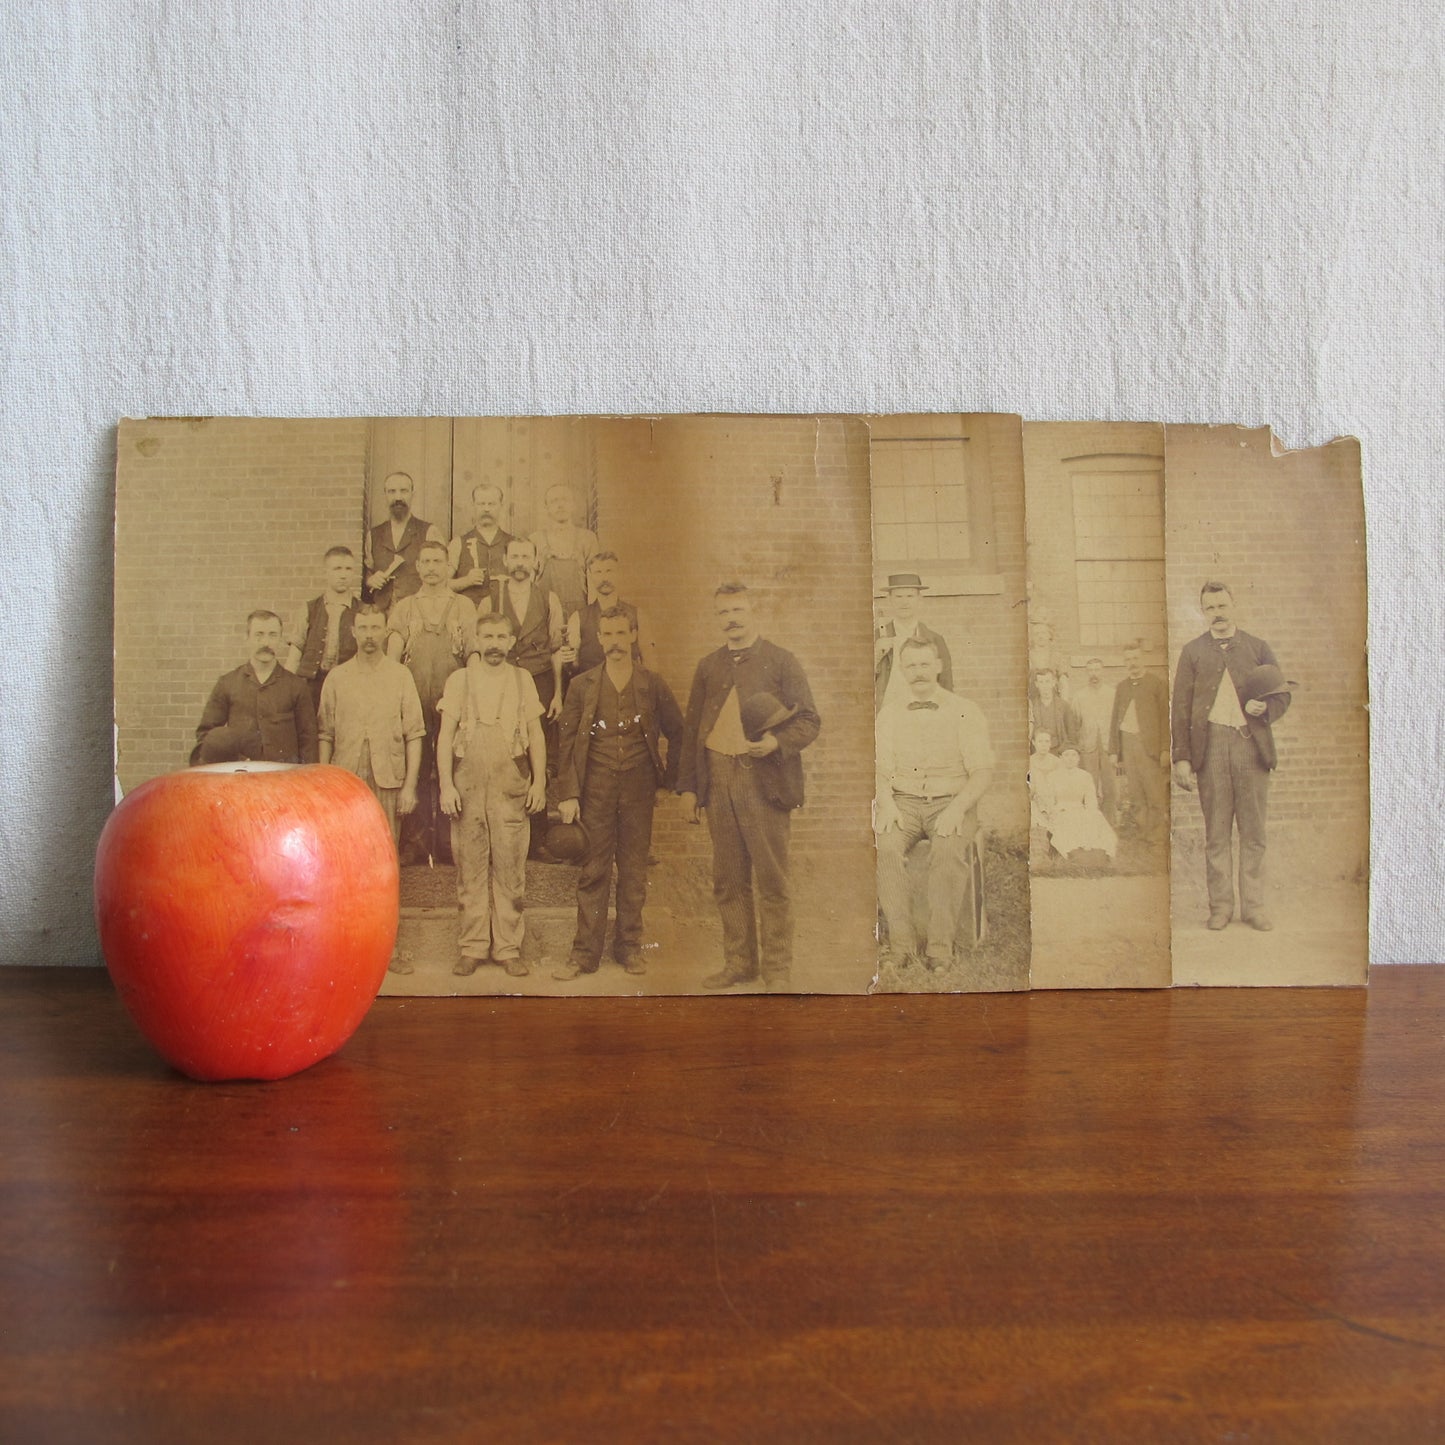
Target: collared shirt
[931, 751]
[371, 705]
[1094, 706]
[276, 715]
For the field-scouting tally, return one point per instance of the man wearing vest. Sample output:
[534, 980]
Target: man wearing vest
[602, 590]
[321, 634]
[1228, 694]
[539, 647]
[748, 787]
[493, 765]
[1139, 738]
[934, 763]
[392, 545]
[478, 556]
[620, 732]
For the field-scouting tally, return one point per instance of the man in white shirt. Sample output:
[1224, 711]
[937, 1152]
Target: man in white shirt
[1224, 741]
[934, 763]
[492, 763]
[905, 604]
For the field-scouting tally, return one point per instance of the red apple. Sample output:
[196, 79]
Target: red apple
[247, 912]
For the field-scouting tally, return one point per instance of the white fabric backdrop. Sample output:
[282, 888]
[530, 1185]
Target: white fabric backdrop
[1215, 212]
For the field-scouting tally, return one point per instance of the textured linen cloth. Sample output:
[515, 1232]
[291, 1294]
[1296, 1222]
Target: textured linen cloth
[1228, 212]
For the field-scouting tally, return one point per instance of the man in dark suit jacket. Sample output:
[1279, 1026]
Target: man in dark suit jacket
[1224, 709]
[748, 787]
[259, 712]
[905, 596]
[1139, 737]
[619, 739]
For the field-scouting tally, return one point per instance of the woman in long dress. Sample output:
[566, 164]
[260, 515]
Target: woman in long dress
[1071, 809]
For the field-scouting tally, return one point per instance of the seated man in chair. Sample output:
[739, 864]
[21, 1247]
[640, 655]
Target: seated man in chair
[934, 764]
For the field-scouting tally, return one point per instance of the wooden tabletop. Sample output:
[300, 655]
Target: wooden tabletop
[1172, 1216]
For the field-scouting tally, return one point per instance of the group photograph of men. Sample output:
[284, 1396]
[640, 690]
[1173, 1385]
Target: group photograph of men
[500, 692]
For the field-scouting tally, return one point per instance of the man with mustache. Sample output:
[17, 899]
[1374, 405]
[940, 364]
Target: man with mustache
[431, 632]
[259, 712]
[620, 732]
[371, 720]
[748, 788]
[477, 557]
[1139, 737]
[320, 634]
[602, 588]
[392, 546]
[492, 761]
[934, 763]
[905, 601]
[1228, 694]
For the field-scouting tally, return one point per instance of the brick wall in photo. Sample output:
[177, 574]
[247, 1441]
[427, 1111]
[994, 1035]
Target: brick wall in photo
[215, 517]
[982, 617]
[1286, 533]
[781, 504]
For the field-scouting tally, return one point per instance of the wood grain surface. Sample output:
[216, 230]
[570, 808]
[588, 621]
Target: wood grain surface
[1162, 1216]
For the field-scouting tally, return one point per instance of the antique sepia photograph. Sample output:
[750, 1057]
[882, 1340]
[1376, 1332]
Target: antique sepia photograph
[1269, 723]
[1098, 767]
[950, 651]
[607, 677]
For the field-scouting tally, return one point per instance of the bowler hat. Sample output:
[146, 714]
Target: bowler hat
[225, 744]
[1263, 681]
[567, 841]
[907, 579]
[763, 711]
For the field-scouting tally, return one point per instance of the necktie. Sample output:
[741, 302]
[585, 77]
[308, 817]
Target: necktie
[923, 706]
[741, 655]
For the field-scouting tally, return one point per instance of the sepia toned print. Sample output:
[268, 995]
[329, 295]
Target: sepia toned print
[1098, 768]
[493, 622]
[1266, 571]
[950, 807]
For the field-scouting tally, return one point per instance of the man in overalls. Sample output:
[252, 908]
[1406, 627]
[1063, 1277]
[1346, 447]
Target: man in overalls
[492, 762]
[432, 631]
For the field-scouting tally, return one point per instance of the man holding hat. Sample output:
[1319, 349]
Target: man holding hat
[620, 732]
[934, 763]
[1228, 693]
[492, 766]
[748, 783]
[905, 598]
[259, 711]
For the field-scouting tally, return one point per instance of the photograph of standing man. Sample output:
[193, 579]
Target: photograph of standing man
[259, 712]
[1139, 738]
[1094, 708]
[621, 729]
[747, 788]
[905, 601]
[431, 633]
[392, 546]
[1228, 694]
[320, 636]
[478, 556]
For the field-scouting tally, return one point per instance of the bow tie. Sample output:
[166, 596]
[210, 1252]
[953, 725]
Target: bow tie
[922, 707]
